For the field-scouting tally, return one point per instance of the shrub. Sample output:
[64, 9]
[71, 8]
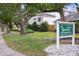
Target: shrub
[34, 26]
[43, 27]
[29, 30]
[29, 26]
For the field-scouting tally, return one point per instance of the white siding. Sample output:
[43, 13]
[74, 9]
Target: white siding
[51, 20]
[31, 21]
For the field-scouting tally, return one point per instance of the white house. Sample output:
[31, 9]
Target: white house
[49, 17]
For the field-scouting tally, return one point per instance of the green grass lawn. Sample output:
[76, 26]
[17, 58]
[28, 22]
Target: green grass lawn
[30, 44]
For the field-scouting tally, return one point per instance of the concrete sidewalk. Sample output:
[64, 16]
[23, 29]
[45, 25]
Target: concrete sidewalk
[5, 50]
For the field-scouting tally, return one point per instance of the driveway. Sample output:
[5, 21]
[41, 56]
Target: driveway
[5, 50]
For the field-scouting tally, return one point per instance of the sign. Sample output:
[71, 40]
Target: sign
[64, 30]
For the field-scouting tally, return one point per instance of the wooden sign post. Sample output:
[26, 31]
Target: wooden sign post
[64, 30]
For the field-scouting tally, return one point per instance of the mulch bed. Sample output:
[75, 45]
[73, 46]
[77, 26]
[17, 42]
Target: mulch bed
[69, 41]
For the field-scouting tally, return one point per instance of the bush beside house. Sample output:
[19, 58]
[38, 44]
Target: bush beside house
[34, 26]
[43, 27]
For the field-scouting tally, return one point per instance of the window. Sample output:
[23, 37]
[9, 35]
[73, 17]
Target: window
[34, 18]
[39, 19]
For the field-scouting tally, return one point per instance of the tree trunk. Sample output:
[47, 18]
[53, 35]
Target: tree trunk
[78, 27]
[62, 15]
[7, 26]
[2, 27]
[22, 26]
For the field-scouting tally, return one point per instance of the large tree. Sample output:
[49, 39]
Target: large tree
[6, 14]
[18, 13]
[25, 12]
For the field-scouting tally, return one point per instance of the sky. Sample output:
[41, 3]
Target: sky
[72, 7]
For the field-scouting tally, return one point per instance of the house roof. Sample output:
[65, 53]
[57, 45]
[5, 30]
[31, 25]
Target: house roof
[47, 15]
[72, 17]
